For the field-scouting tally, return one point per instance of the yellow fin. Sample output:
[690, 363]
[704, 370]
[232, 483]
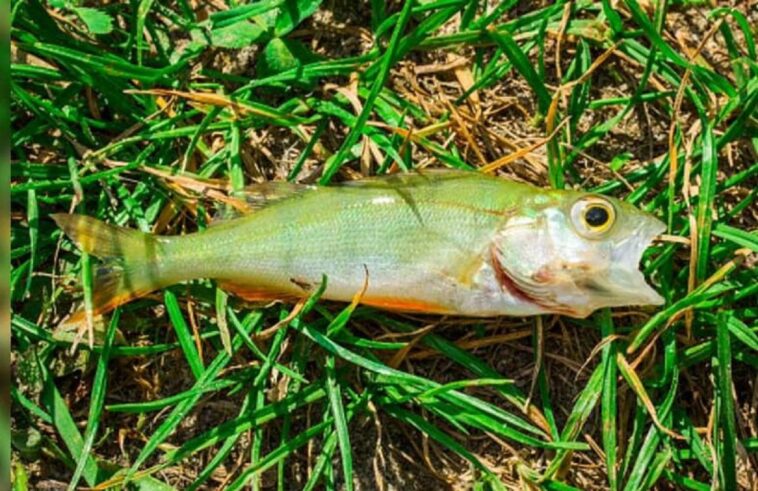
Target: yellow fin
[405, 305]
[252, 293]
[130, 269]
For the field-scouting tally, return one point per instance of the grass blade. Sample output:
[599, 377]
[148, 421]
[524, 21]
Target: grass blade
[725, 432]
[609, 400]
[334, 163]
[99, 385]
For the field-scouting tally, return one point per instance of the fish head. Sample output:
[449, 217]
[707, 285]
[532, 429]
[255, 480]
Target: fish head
[572, 253]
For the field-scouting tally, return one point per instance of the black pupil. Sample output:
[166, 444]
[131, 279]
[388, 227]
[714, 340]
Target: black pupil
[596, 216]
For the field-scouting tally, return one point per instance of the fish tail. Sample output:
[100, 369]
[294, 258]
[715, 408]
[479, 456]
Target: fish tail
[130, 267]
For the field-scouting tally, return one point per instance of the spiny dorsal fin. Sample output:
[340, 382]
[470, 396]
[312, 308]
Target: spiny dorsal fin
[411, 179]
[257, 196]
[264, 194]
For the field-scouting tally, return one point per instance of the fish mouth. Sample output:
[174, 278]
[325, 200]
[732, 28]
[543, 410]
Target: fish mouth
[625, 283]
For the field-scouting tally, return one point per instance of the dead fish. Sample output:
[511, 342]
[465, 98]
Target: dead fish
[444, 242]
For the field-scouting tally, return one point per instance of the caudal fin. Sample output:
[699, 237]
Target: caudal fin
[130, 267]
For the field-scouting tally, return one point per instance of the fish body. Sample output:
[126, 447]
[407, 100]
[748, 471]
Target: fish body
[458, 243]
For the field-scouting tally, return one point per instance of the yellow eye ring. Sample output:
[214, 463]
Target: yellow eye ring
[593, 216]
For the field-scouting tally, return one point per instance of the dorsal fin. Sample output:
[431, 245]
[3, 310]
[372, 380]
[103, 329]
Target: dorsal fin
[411, 179]
[257, 196]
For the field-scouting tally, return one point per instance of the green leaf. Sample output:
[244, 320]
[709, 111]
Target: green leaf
[434, 432]
[97, 21]
[96, 404]
[292, 13]
[388, 58]
[177, 415]
[142, 13]
[609, 400]
[149, 483]
[27, 442]
[238, 35]
[183, 334]
[740, 331]
[340, 421]
[739, 237]
[20, 478]
[725, 430]
[706, 201]
[66, 427]
[524, 66]
[225, 18]
[280, 55]
[620, 161]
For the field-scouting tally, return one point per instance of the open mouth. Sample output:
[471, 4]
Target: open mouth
[625, 281]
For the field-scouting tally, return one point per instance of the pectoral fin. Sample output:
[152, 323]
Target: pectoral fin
[466, 272]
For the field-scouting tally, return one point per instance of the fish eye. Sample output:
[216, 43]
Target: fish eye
[593, 216]
[596, 216]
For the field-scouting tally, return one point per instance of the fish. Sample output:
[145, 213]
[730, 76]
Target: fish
[438, 242]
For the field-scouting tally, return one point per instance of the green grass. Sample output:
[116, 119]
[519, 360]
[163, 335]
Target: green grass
[180, 385]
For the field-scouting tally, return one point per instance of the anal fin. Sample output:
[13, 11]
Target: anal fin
[257, 293]
[405, 305]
